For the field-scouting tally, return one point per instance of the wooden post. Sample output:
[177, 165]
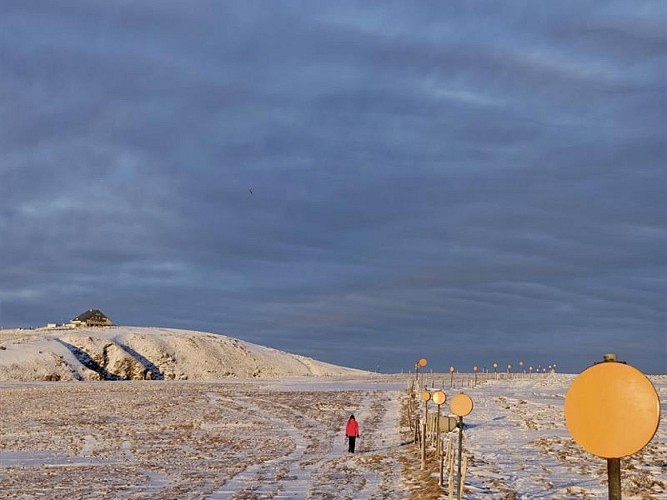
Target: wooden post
[451, 476]
[614, 477]
[445, 459]
[424, 446]
[442, 467]
[463, 477]
[425, 420]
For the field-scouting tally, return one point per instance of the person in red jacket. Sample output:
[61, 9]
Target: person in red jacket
[352, 433]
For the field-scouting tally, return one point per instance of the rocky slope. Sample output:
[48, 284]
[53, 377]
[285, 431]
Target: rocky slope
[135, 353]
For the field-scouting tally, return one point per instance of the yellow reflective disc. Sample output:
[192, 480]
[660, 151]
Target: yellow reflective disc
[461, 405]
[439, 397]
[612, 410]
[426, 395]
[422, 362]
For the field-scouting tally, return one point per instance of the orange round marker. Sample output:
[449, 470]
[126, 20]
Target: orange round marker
[422, 362]
[439, 397]
[612, 410]
[426, 396]
[461, 405]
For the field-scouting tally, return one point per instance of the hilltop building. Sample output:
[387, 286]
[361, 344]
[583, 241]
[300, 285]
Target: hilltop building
[92, 317]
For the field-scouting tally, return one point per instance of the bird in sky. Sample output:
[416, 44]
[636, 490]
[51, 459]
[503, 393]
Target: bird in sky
[250, 190]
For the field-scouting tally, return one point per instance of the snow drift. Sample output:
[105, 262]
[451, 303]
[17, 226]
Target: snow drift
[135, 353]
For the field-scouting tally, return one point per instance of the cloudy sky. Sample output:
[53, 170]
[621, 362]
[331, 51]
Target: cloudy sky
[366, 183]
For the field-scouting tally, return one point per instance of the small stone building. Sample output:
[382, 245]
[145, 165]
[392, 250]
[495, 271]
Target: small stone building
[92, 317]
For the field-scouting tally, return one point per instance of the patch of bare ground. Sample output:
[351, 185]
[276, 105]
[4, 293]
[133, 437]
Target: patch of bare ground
[422, 484]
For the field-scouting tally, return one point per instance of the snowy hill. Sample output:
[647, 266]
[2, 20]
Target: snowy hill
[136, 353]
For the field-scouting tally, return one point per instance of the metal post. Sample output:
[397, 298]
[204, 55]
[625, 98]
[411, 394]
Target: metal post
[438, 446]
[424, 435]
[614, 477]
[460, 455]
[416, 429]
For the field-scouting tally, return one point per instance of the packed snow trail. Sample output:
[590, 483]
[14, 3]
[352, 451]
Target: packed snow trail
[313, 471]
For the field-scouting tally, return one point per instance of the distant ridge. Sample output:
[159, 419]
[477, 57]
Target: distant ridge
[141, 353]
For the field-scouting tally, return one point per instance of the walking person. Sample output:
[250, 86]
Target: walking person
[352, 433]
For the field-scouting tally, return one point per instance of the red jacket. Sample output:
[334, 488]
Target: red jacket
[352, 428]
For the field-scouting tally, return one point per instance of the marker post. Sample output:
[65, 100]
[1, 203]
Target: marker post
[599, 402]
[426, 396]
[439, 398]
[422, 363]
[461, 405]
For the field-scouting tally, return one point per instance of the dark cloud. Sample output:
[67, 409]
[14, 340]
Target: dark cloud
[474, 184]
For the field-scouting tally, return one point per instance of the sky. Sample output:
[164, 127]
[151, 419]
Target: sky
[365, 183]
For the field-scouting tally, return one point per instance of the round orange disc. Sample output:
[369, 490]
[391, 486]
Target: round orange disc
[426, 396]
[461, 405]
[422, 362]
[612, 410]
[439, 397]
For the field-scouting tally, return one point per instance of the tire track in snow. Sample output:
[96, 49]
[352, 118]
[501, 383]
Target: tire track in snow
[277, 478]
[374, 472]
[310, 471]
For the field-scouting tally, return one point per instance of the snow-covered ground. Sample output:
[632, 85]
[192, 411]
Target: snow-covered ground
[141, 353]
[519, 445]
[283, 438]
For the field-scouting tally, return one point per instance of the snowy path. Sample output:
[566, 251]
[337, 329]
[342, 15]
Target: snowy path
[311, 470]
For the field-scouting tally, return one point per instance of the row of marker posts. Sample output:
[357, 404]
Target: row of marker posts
[471, 380]
[598, 406]
[460, 405]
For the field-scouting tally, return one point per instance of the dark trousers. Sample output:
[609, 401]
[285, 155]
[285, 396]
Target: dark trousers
[351, 440]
